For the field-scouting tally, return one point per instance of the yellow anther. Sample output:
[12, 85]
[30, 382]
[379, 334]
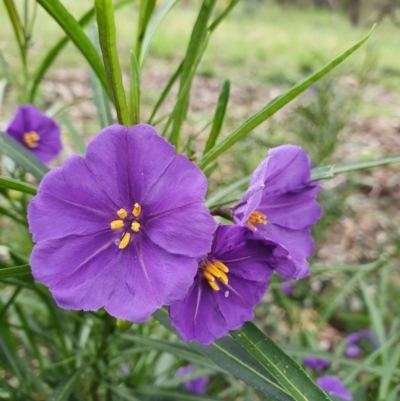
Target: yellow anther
[124, 241]
[221, 266]
[135, 226]
[122, 213]
[117, 224]
[31, 138]
[213, 270]
[256, 218]
[137, 209]
[208, 276]
[223, 277]
[214, 285]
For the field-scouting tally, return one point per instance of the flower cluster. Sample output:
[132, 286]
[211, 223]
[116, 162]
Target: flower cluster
[126, 228]
[355, 341]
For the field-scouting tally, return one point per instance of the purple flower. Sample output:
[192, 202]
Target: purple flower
[354, 340]
[230, 280]
[39, 133]
[280, 203]
[198, 385]
[315, 363]
[333, 385]
[123, 227]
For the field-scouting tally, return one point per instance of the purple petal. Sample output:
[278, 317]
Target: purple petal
[294, 210]
[299, 243]
[353, 338]
[353, 350]
[127, 161]
[82, 272]
[333, 385]
[315, 363]
[66, 205]
[150, 278]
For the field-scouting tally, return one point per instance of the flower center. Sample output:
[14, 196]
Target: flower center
[31, 139]
[256, 218]
[213, 271]
[128, 223]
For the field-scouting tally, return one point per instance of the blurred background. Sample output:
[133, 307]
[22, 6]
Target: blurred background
[263, 48]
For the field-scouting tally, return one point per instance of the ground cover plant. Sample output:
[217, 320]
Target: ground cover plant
[158, 217]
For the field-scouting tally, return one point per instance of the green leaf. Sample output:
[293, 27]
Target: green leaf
[218, 116]
[166, 91]
[74, 31]
[224, 14]
[101, 100]
[64, 389]
[152, 27]
[18, 31]
[74, 134]
[17, 185]
[134, 98]
[275, 105]
[9, 272]
[145, 11]
[8, 75]
[180, 350]
[22, 156]
[196, 47]
[321, 173]
[56, 49]
[288, 373]
[107, 38]
[235, 360]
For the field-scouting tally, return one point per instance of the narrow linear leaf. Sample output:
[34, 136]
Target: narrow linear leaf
[171, 395]
[101, 100]
[16, 185]
[16, 23]
[166, 91]
[226, 353]
[275, 105]
[152, 27]
[64, 389]
[145, 11]
[321, 173]
[74, 31]
[9, 272]
[22, 156]
[224, 14]
[134, 98]
[108, 43]
[218, 116]
[289, 374]
[181, 350]
[194, 51]
[74, 134]
[52, 54]
[8, 75]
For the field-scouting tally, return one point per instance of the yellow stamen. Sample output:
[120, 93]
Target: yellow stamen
[122, 213]
[117, 224]
[137, 209]
[208, 276]
[214, 285]
[256, 218]
[224, 277]
[216, 270]
[221, 266]
[135, 226]
[124, 241]
[31, 139]
[213, 270]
